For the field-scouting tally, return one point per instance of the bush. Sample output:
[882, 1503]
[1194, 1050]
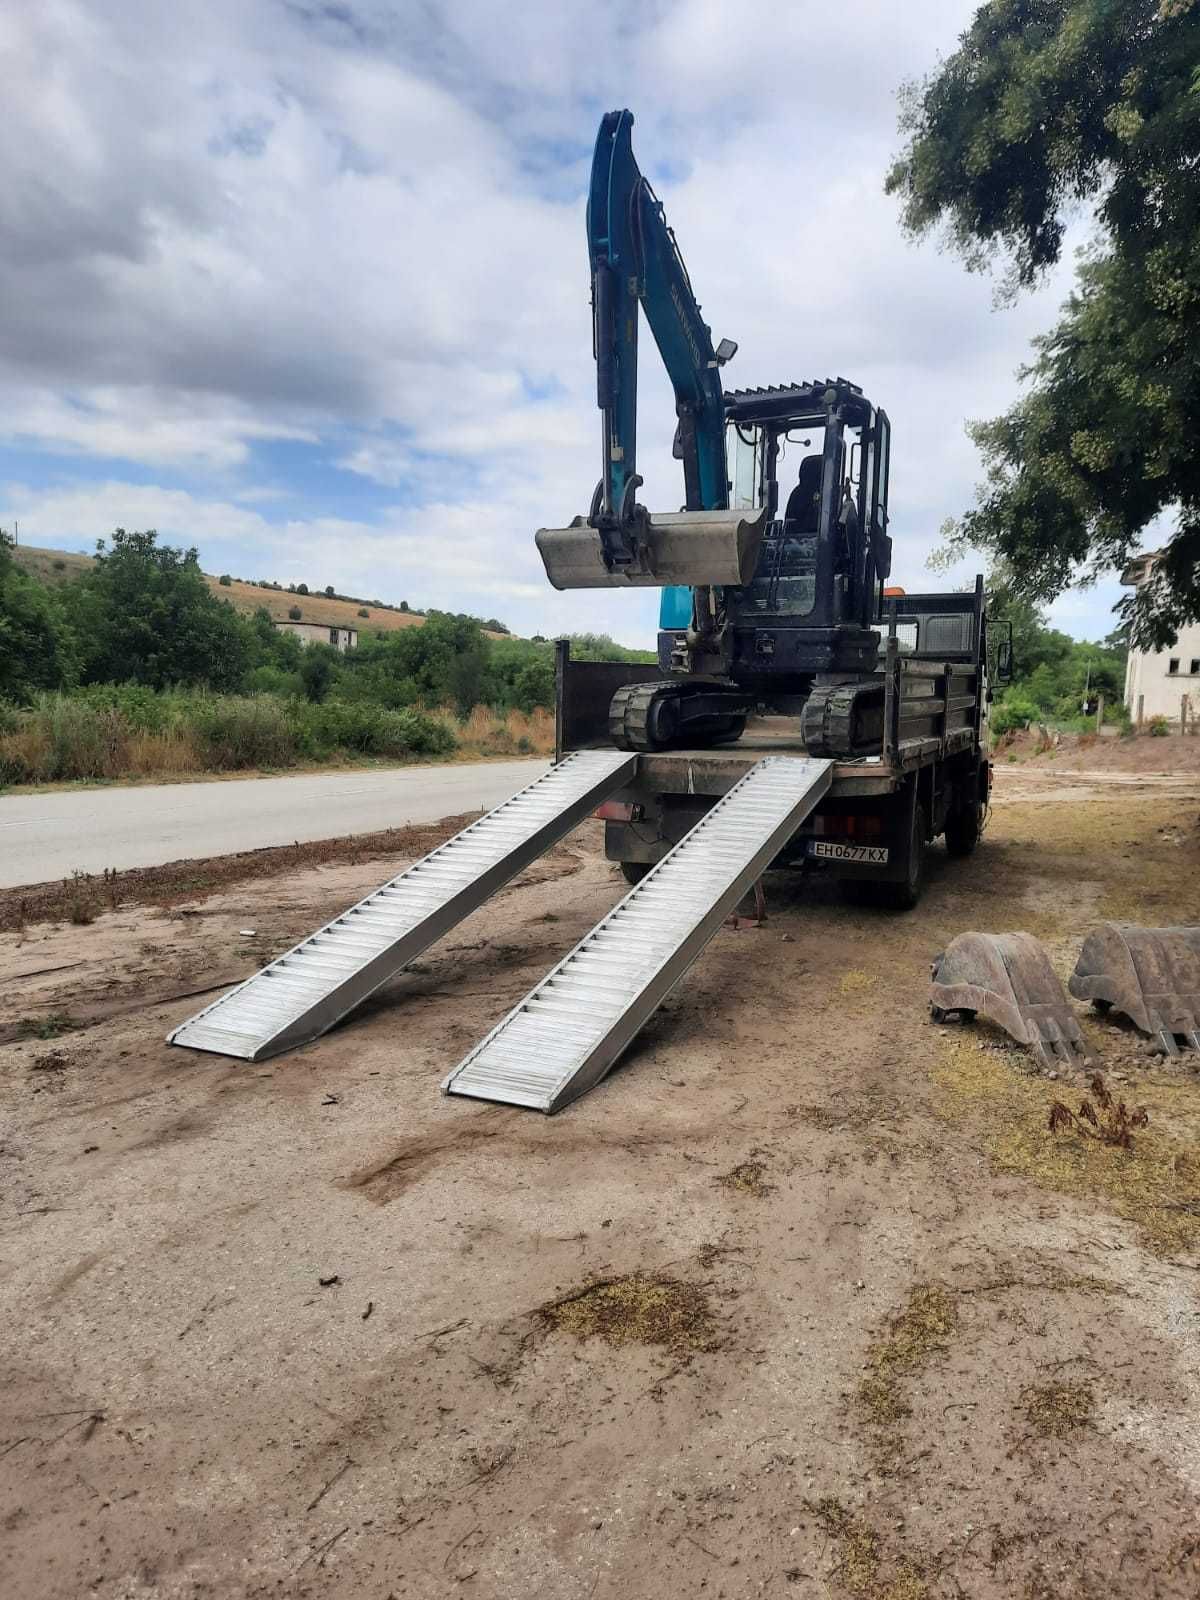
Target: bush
[1012, 712]
[239, 731]
[272, 679]
[295, 613]
[363, 612]
[368, 729]
[225, 581]
[301, 588]
[1158, 727]
[329, 590]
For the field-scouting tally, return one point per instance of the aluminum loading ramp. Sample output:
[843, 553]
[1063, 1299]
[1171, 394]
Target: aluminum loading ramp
[569, 1031]
[302, 994]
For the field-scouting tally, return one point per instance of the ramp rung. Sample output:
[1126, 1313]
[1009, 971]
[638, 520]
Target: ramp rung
[571, 1028]
[303, 993]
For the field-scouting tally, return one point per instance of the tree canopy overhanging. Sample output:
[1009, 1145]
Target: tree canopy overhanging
[1048, 106]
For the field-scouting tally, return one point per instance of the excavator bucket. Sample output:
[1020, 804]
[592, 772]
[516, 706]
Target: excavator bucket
[685, 547]
[1151, 975]
[1007, 979]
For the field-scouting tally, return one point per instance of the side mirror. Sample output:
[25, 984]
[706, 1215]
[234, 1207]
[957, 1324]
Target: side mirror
[1003, 656]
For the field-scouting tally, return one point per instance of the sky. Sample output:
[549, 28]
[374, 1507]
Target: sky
[305, 284]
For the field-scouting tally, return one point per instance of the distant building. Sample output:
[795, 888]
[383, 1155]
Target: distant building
[1161, 678]
[342, 639]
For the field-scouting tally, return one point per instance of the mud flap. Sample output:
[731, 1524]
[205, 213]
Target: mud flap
[1150, 975]
[1007, 979]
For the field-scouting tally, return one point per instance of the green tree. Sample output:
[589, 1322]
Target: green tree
[317, 670]
[37, 645]
[144, 614]
[1047, 105]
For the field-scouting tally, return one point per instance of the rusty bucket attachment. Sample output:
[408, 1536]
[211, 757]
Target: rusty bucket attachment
[1150, 975]
[695, 548]
[1007, 979]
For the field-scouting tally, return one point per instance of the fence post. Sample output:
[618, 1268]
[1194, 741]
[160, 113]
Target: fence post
[1183, 715]
[1099, 712]
[1141, 706]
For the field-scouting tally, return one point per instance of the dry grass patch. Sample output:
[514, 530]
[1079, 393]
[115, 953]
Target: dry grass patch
[748, 1178]
[1054, 1410]
[860, 1558]
[912, 1339]
[637, 1309]
[856, 981]
[1156, 1185]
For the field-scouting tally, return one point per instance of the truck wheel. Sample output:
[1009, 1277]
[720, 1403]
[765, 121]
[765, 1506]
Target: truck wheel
[963, 829]
[634, 871]
[905, 894]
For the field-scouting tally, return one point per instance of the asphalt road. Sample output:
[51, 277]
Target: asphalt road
[48, 836]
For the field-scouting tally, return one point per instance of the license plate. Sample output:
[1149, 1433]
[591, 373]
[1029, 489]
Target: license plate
[874, 855]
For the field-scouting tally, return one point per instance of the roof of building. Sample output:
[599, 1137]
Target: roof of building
[1138, 570]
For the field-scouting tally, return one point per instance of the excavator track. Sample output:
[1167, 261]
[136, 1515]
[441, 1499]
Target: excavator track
[676, 713]
[843, 719]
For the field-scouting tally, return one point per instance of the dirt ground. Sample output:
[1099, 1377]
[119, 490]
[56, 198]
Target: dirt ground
[805, 1299]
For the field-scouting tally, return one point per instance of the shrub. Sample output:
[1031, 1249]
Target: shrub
[225, 581]
[1158, 727]
[239, 731]
[363, 612]
[271, 679]
[301, 588]
[369, 729]
[329, 590]
[59, 566]
[295, 613]
[1012, 712]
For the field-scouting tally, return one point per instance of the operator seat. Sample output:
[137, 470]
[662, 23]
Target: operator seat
[803, 513]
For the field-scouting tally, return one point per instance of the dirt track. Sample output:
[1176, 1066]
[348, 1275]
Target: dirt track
[913, 1348]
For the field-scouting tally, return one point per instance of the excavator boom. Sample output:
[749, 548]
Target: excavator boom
[634, 259]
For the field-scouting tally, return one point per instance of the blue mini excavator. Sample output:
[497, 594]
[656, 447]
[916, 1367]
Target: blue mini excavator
[759, 609]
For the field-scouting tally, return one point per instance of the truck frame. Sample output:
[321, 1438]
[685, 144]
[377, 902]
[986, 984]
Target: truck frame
[930, 776]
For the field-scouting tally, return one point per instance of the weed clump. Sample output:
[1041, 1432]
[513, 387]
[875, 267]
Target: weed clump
[637, 1309]
[1055, 1410]
[912, 1338]
[1153, 1185]
[748, 1178]
[860, 1558]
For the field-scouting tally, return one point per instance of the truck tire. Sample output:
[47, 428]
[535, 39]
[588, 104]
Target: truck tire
[965, 822]
[963, 828]
[906, 893]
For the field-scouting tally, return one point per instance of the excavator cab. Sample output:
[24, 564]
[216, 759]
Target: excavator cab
[815, 459]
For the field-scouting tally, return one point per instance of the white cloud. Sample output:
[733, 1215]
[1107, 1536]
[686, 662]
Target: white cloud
[362, 228]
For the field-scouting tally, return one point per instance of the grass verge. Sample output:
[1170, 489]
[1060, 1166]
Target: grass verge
[1155, 1185]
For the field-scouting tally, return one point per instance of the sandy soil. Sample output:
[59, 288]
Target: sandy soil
[308, 1328]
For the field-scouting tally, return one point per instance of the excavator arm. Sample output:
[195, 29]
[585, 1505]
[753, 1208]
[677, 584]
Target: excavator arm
[634, 259]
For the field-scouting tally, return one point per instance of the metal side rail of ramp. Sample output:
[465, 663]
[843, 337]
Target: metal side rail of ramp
[303, 993]
[568, 1031]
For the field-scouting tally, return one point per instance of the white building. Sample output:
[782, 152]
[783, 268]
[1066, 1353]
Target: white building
[342, 639]
[1161, 679]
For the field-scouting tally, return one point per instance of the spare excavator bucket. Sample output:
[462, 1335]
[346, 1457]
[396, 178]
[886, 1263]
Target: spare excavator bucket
[684, 547]
[1151, 975]
[1007, 979]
